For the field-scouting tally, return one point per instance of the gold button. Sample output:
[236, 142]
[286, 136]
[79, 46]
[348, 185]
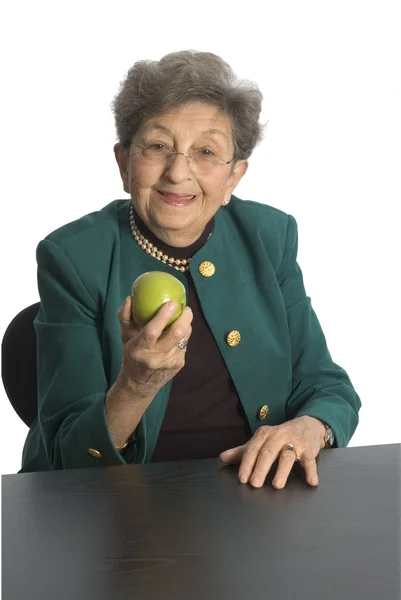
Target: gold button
[263, 412]
[233, 338]
[94, 453]
[207, 269]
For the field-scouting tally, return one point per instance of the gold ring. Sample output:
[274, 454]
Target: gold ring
[291, 447]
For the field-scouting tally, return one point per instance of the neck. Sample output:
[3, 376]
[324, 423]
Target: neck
[176, 239]
[174, 243]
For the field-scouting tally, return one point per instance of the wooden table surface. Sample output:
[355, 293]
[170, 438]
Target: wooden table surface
[189, 531]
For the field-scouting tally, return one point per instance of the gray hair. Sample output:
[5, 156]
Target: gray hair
[152, 87]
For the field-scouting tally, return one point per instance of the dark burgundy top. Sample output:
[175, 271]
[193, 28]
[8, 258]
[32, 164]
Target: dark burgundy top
[204, 415]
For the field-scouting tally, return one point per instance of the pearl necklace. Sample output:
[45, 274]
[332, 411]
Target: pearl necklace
[180, 264]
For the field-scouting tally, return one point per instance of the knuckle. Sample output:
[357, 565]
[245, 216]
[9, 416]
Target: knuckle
[136, 357]
[262, 431]
[260, 472]
[153, 362]
[250, 450]
[178, 334]
[178, 358]
[287, 455]
[178, 367]
[120, 313]
[266, 451]
[136, 353]
[124, 323]
[149, 334]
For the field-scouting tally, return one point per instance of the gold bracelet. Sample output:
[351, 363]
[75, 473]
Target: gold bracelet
[122, 447]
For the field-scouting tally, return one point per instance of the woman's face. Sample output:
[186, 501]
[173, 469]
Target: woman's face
[174, 199]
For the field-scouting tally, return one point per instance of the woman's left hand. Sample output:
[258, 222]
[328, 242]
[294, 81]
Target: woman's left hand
[269, 443]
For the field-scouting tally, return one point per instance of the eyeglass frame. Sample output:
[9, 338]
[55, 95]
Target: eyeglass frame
[188, 156]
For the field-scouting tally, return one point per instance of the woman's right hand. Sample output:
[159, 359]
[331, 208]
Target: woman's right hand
[151, 359]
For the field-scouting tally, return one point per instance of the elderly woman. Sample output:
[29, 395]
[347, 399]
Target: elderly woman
[244, 374]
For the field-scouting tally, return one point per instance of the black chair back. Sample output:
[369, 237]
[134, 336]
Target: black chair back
[18, 364]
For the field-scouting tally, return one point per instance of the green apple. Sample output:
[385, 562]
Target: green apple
[150, 291]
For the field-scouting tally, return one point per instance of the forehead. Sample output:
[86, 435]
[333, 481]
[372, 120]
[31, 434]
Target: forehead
[196, 118]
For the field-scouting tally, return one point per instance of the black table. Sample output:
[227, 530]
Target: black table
[189, 531]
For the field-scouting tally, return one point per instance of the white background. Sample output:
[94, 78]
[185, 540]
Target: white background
[330, 75]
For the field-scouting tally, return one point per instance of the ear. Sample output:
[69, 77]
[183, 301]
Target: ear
[122, 158]
[235, 177]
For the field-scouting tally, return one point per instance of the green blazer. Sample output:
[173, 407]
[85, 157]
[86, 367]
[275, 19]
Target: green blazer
[85, 271]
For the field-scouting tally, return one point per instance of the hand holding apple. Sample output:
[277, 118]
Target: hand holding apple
[151, 359]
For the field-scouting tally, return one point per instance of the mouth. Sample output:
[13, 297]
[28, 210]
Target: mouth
[175, 199]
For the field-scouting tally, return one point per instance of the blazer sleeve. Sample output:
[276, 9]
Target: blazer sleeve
[72, 386]
[320, 388]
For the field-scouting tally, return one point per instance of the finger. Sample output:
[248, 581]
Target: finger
[251, 453]
[267, 455]
[153, 330]
[187, 336]
[285, 464]
[178, 331]
[233, 455]
[308, 461]
[125, 311]
[128, 327]
[177, 348]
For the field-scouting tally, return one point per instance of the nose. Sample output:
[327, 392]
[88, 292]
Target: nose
[177, 168]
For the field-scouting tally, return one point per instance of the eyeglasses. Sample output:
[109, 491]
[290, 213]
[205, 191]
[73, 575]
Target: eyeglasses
[202, 160]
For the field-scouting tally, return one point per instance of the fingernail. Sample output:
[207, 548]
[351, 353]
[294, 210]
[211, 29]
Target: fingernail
[278, 484]
[172, 305]
[256, 482]
[314, 480]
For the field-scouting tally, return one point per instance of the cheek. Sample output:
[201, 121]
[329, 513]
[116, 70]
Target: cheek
[215, 188]
[142, 177]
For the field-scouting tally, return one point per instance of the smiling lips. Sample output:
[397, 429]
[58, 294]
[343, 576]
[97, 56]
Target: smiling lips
[175, 199]
[177, 196]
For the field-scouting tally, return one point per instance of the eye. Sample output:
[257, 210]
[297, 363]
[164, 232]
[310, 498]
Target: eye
[206, 152]
[157, 147]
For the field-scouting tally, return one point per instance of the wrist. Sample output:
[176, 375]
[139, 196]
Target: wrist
[320, 427]
[129, 386]
[127, 397]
